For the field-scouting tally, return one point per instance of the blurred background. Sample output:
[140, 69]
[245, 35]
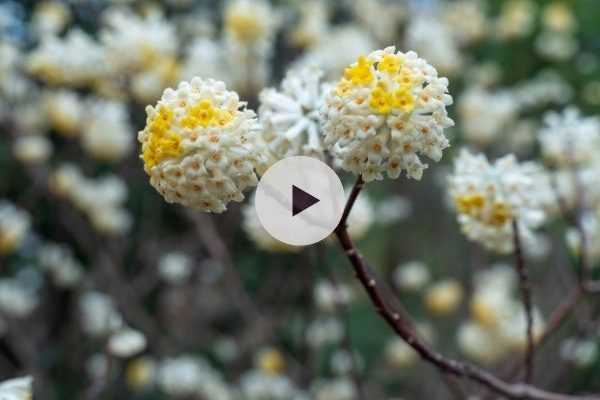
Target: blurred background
[108, 292]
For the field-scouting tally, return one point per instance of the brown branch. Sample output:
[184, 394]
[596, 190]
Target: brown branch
[402, 325]
[525, 289]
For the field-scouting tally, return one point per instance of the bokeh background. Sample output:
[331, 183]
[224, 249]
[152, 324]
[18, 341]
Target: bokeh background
[107, 291]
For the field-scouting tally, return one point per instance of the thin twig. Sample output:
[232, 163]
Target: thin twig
[402, 325]
[525, 289]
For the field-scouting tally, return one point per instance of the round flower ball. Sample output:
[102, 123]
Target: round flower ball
[387, 111]
[199, 145]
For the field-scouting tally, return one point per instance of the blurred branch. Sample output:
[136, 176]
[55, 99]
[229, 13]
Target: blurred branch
[217, 249]
[525, 289]
[402, 325]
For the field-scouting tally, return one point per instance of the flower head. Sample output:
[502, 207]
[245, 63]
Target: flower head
[290, 116]
[388, 109]
[569, 138]
[199, 145]
[488, 197]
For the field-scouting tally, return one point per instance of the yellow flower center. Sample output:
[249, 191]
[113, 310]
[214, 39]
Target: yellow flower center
[162, 142]
[361, 73]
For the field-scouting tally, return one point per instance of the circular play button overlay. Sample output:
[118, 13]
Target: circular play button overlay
[300, 200]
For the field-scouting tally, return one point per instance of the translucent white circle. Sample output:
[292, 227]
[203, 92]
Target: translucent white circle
[316, 218]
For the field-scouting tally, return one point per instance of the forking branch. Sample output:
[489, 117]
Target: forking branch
[402, 325]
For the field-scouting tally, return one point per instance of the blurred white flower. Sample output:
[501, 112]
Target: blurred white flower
[569, 139]
[392, 209]
[59, 261]
[313, 24]
[99, 315]
[580, 352]
[256, 385]
[50, 17]
[73, 60]
[484, 115]
[444, 297]
[32, 149]
[65, 110]
[328, 297]
[411, 276]
[175, 268]
[14, 226]
[141, 372]
[17, 389]
[516, 20]
[106, 132]
[126, 342]
[336, 389]
[399, 354]
[189, 376]
[489, 196]
[16, 300]
[433, 40]
[324, 331]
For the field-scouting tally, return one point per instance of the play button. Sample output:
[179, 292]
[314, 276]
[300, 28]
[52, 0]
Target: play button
[300, 200]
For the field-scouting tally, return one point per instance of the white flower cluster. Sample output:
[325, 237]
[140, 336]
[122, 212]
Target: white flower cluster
[14, 226]
[411, 276]
[101, 199]
[497, 319]
[433, 39]
[65, 111]
[249, 27]
[126, 343]
[335, 389]
[106, 133]
[175, 267]
[60, 263]
[569, 139]
[290, 116]
[18, 299]
[99, 315]
[187, 376]
[74, 60]
[557, 41]
[17, 389]
[13, 85]
[200, 146]
[484, 114]
[50, 17]
[488, 197]
[143, 48]
[582, 353]
[32, 149]
[590, 222]
[443, 297]
[328, 297]
[387, 110]
[258, 385]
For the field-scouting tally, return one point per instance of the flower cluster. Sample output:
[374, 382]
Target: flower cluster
[569, 139]
[497, 319]
[488, 197]
[290, 116]
[101, 199]
[388, 109]
[14, 226]
[199, 145]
